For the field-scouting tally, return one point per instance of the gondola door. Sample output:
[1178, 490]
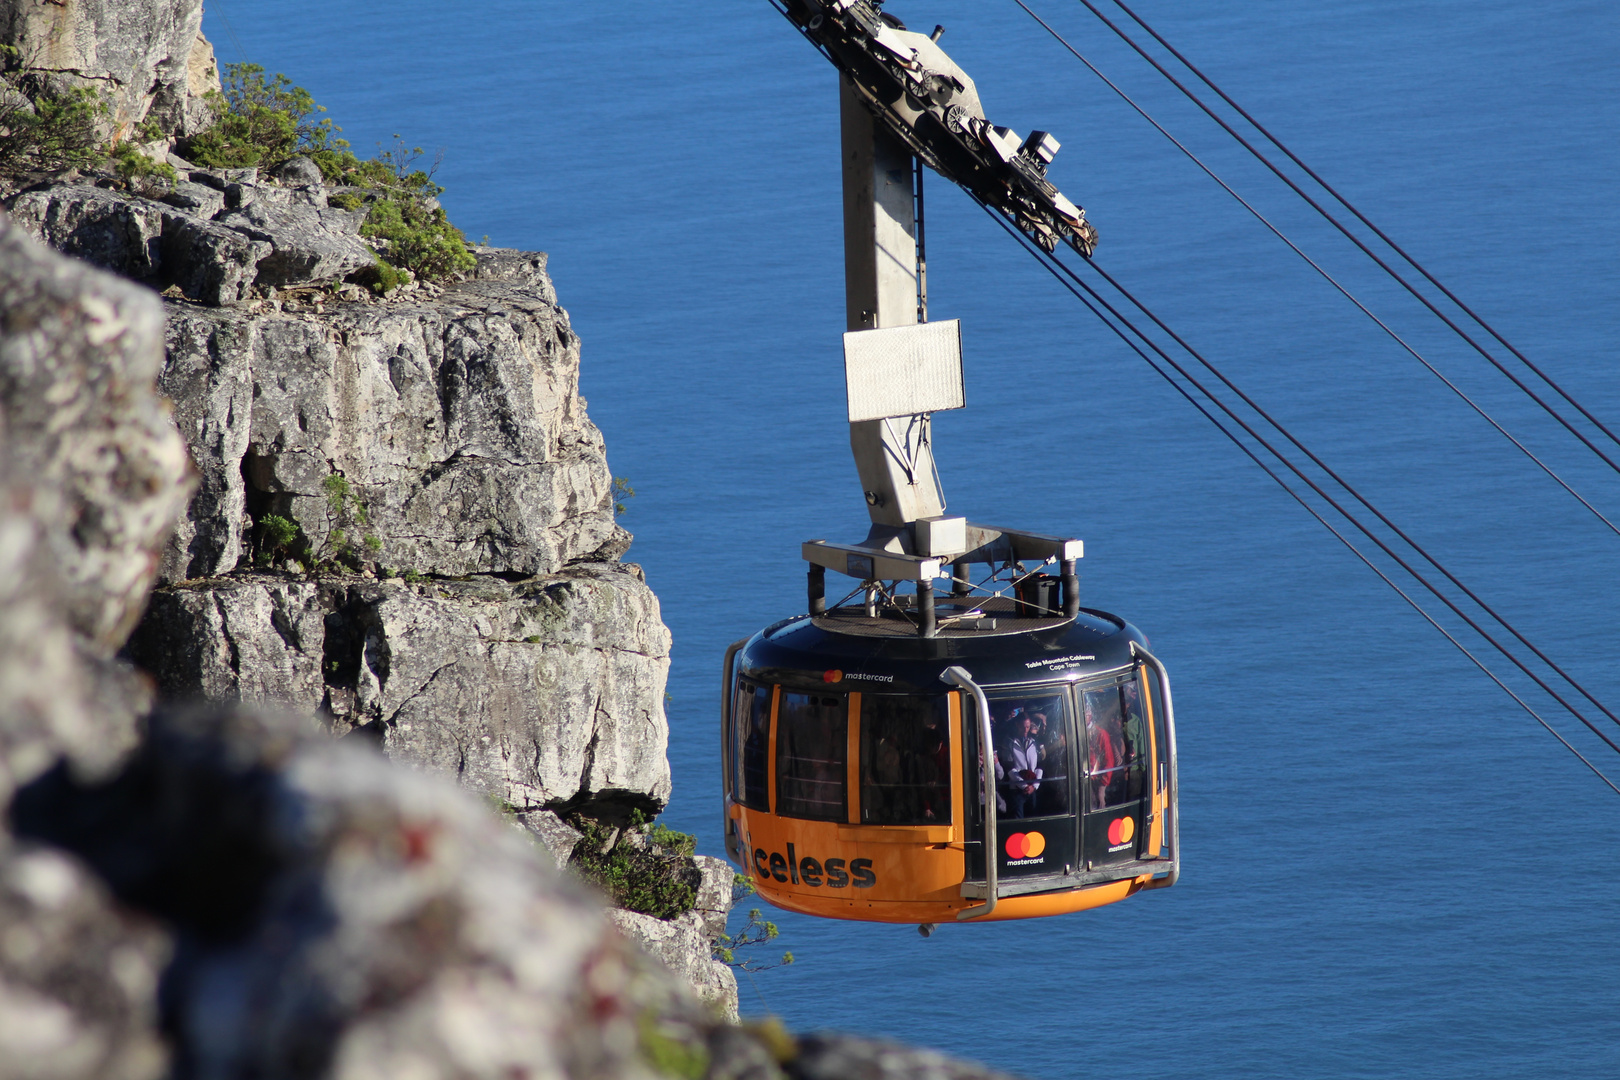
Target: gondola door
[1116, 753]
[1036, 789]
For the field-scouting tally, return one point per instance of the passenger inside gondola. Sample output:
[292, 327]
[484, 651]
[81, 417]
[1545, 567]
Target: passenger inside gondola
[1023, 767]
[1105, 747]
[1051, 733]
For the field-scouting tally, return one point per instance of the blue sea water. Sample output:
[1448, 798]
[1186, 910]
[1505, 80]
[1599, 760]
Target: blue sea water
[1389, 869]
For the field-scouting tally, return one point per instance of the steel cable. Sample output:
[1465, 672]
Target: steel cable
[1069, 273]
[1330, 279]
[1289, 181]
[1344, 484]
[1051, 264]
[1342, 201]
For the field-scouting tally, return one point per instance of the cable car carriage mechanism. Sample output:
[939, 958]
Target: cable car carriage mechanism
[990, 751]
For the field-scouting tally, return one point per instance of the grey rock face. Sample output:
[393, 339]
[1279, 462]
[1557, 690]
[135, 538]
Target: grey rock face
[210, 263]
[78, 353]
[141, 55]
[455, 422]
[300, 172]
[541, 693]
[216, 234]
[518, 267]
[111, 230]
[308, 244]
[78, 976]
[366, 921]
[87, 475]
[556, 836]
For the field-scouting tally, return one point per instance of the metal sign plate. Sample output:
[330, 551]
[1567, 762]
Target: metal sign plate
[904, 370]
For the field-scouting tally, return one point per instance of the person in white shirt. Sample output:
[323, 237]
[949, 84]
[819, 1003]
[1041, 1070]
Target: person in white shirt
[1023, 769]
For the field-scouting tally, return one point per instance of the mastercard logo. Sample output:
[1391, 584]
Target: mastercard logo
[1120, 830]
[1025, 845]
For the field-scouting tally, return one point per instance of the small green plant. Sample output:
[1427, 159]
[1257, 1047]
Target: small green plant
[533, 639]
[279, 533]
[347, 512]
[621, 491]
[678, 842]
[338, 493]
[412, 577]
[385, 278]
[280, 540]
[139, 172]
[756, 932]
[655, 876]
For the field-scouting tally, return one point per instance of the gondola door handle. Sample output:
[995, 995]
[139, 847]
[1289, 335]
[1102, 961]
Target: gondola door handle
[958, 676]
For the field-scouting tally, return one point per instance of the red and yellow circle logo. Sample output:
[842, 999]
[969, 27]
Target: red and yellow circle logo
[1025, 845]
[1120, 831]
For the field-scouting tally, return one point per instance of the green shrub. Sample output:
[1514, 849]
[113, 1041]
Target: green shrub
[264, 122]
[260, 122]
[420, 239]
[385, 278]
[405, 213]
[656, 878]
[280, 540]
[678, 842]
[279, 532]
[42, 130]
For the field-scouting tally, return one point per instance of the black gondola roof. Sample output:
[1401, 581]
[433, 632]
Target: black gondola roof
[805, 654]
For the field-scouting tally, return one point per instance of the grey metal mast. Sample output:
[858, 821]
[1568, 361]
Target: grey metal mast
[897, 371]
[895, 457]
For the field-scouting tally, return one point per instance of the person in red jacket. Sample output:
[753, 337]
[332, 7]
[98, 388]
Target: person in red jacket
[1104, 742]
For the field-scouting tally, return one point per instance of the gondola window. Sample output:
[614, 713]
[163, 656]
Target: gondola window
[905, 760]
[811, 745]
[753, 734]
[1116, 745]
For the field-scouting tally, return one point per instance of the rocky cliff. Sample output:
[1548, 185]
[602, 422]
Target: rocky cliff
[402, 519]
[373, 523]
[149, 59]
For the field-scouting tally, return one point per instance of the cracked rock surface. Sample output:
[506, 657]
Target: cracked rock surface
[147, 58]
[455, 422]
[545, 692]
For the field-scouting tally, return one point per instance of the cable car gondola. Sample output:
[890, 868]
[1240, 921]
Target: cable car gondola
[995, 753]
[855, 778]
